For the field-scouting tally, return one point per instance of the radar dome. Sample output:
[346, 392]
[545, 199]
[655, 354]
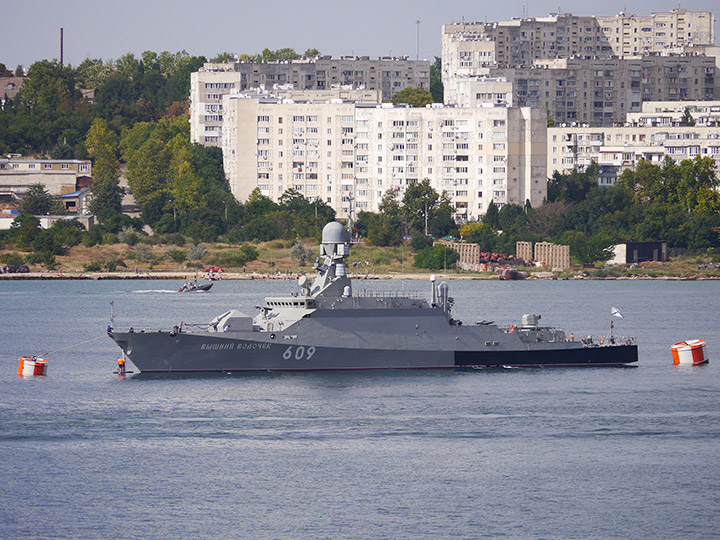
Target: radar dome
[334, 233]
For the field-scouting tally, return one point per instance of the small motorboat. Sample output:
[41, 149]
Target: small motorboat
[194, 286]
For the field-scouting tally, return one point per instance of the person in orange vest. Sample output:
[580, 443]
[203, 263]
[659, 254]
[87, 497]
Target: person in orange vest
[121, 366]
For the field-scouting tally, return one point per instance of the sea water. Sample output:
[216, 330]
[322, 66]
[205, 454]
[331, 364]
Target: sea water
[509, 453]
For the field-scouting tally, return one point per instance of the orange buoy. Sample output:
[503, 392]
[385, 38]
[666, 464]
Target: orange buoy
[689, 352]
[32, 365]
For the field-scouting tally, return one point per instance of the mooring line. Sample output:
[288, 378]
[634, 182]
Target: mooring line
[74, 345]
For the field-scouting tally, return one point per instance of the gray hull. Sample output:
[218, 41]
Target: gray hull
[162, 352]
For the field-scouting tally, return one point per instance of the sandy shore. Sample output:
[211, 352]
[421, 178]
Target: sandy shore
[189, 275]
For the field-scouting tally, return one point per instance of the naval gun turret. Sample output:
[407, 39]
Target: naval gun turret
[331, 279]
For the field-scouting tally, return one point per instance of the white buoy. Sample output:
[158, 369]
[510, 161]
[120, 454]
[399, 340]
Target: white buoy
[689, 352]
[31, 365]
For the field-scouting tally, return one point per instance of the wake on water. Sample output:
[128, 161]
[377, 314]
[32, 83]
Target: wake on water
[147, 291]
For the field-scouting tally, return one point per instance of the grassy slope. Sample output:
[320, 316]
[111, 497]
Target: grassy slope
[275, 256]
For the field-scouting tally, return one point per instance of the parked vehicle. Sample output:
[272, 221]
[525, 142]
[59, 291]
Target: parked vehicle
[10, 269]
[23, 269]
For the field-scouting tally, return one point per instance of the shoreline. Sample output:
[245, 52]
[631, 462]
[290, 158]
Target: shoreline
[251, 276]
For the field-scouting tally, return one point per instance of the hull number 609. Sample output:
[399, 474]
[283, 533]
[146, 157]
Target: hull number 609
[299, 353]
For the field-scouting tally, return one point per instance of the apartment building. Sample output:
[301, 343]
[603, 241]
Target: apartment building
[615, 149]
[349, 154]
[670, 113]
[629, 34]
[467, 46]
[596, 91]
[59, 176]
[385, 75]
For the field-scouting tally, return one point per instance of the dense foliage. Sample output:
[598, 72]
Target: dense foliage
[436, 85]
[676, 202]
[415, 97]
[267, 55]
[421, 213]
[50, 116]
[139, 118]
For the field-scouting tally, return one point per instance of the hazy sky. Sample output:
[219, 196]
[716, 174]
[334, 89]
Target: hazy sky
[107, 30]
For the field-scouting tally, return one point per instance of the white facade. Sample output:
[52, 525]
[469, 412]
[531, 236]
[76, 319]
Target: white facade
[615, 149]
[350, 154]
[355, 78]
[521, 41]
[57, 175]
[670, 113]
[478, 91]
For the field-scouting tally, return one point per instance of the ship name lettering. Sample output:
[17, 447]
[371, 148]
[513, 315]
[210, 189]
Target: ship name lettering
[217, 346]
[253, 346]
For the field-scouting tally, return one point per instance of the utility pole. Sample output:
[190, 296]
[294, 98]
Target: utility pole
[61, 46]
[426, 218]
[417, 46]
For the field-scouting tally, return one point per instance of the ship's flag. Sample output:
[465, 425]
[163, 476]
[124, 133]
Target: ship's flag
[615, 312]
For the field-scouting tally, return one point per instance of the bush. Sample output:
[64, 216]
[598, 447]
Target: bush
[111, 264]
[279, 244]
[149, 240]
[11, 258]
[234, 257]
[45, 242]
[175, 255]
[109, 238]
[176, 239]
[420, 241]
[68, 232]
[93, 237]
[436, 258]
[93, 266]
[128, 236]
[196, 252]
[143, 253]
[300, 254]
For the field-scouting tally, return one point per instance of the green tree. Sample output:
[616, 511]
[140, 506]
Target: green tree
[511, 217]
[482, 234]
[92, 73]
[572, 187]
[387, 229]
[310, 53]
[147, 170]
[415, 97]
[24, 229]
[101, 143]
[436, 85]
[687, 118]
[419, 205]
[697, 185]
[38, 202]
[588, 249]
[223, 57]
[492, 216]
[442, 222]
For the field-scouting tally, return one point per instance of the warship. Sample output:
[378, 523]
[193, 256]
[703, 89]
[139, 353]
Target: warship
[325, 326]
